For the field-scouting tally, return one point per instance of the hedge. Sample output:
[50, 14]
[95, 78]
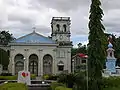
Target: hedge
[50, 77]
[6, 74]
[13, 86]
[33, 76]
[8, 77]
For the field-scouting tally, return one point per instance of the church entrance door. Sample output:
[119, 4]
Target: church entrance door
[33, 64]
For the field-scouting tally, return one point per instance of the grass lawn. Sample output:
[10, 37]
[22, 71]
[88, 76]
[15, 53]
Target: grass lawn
[13, 86]
[62, 88]
[112, 88]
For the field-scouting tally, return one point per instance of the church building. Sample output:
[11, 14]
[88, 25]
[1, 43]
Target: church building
[43, 55]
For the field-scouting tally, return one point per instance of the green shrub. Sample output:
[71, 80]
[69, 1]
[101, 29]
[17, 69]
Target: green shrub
[13, 86]
[80, 81]
[67, 79]
[112, 88]
[55, 84]
[111, 82]
[33, 76]
[62, 78]
[53, 77]
[50, 77]
[45, 77]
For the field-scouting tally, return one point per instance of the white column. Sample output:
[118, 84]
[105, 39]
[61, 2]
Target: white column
[13, 66]
[54, 62]
[69, 61]
[12, 61]
[26, 64]
[73, 65]
[40, 63]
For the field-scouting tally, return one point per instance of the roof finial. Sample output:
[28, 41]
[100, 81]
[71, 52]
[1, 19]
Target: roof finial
[34, 28]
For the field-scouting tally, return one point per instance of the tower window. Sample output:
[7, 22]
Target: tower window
[58, 27]
[64, 27]
[60, 68]
[111, 54]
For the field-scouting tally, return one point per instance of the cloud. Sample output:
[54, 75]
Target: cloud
[20, 16]
[62, 5]
[110, 4]
[112, 20]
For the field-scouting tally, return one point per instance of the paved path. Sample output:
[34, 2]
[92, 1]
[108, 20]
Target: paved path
[37, 88]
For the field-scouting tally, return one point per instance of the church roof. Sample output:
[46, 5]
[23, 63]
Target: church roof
[34, 38]
[81, 55]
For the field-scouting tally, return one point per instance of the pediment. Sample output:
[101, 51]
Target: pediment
[33, 38]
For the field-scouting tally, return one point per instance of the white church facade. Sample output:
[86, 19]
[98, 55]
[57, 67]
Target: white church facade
[43, 55]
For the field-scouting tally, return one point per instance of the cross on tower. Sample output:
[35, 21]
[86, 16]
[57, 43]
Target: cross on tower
[34, 28]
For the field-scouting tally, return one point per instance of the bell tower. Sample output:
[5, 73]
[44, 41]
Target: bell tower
[61, 29]
[61, 34]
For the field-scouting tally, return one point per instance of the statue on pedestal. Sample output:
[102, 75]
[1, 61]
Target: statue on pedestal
[111, 60]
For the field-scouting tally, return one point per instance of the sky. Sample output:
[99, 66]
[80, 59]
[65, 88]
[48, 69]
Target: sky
[20, 16]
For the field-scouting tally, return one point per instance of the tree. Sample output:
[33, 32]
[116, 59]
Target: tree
[4, 58]
[74, 51]
[81, 49]
[96, 46]
[5, 37]
[79, 45]
[117, 50]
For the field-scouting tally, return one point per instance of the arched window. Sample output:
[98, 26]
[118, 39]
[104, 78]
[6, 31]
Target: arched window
[19, 63]
[19, 66]
[58, 27]
[47, 64]
[64, 27]
[110, 54]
